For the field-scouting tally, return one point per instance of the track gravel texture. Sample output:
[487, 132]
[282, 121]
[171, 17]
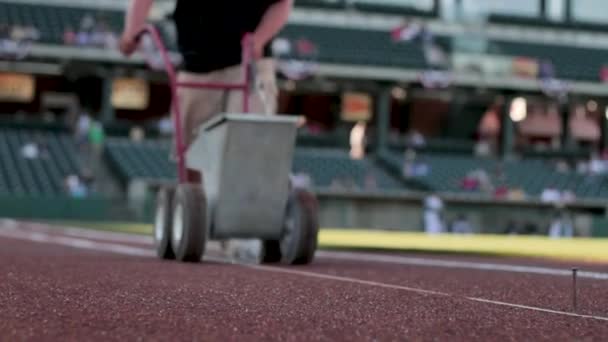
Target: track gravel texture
[55, 292]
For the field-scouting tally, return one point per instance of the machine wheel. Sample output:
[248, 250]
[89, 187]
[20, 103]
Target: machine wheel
[189, 223]
[271, 251]
[299, 241]
[163, 218]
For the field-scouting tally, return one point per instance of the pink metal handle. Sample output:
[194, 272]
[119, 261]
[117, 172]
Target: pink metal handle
[244, 86]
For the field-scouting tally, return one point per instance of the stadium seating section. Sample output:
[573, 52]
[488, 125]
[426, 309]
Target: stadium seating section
[150, 160]
[358, 46]
[568, 61]
[52, 21]
[342, 45]
[446, 171]
[365, 6]
[327, 166]
[145, 160]
[40, 177]
[545, 23]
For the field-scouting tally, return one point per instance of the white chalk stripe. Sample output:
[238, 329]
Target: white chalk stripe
[533, 308]
[419, 291]
[77, 243]
[92, 234]
[482, 266]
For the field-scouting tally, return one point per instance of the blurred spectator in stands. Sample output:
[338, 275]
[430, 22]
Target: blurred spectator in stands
[413, 167]
[87, 22]
[75, 187]
[415, 139]
[483, 148]
[111, 40]
[137, 134]
[83, 38]
[18, 33]
[568, 196]
[550, 195]
[407, 31]
[469, 183]
[433, 209]
[489, 130]
[517, 195]
[301, 180]
[98, 36]
[461, 225]
[96, 137]
[561, 225]
[501, 192]
[596, 165]
[83, 126]
[281, 47]
[69, 36]
[546, 69]
[435, 56]
[165, 126]
[30, 150]
[16, 40]
[357, 140]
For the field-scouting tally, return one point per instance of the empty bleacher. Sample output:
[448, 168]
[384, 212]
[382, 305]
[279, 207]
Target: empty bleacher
[145, 160]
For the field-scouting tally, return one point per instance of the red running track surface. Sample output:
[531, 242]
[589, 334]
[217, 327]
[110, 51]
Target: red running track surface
[50, 291]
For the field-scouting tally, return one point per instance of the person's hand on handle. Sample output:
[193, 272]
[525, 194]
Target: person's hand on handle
[128, 43]
[135, 21]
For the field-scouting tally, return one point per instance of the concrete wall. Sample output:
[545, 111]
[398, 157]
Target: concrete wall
[341, 210]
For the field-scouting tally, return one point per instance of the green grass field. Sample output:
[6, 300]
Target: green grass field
[580, 249]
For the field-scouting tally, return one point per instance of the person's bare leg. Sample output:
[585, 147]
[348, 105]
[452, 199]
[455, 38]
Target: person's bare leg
[198, 106]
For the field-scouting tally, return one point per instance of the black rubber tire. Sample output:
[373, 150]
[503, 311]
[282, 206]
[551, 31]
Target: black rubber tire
[163, 219]
[299, 241]
[271, 251]
[190, 207]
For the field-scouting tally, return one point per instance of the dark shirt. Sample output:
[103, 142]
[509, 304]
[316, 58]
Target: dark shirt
[209, 32]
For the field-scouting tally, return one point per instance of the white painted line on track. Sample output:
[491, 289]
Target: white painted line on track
[146, 252]
[76, 243]
[481, 266]
[93, 234]
[533, 308]
[419, 291]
